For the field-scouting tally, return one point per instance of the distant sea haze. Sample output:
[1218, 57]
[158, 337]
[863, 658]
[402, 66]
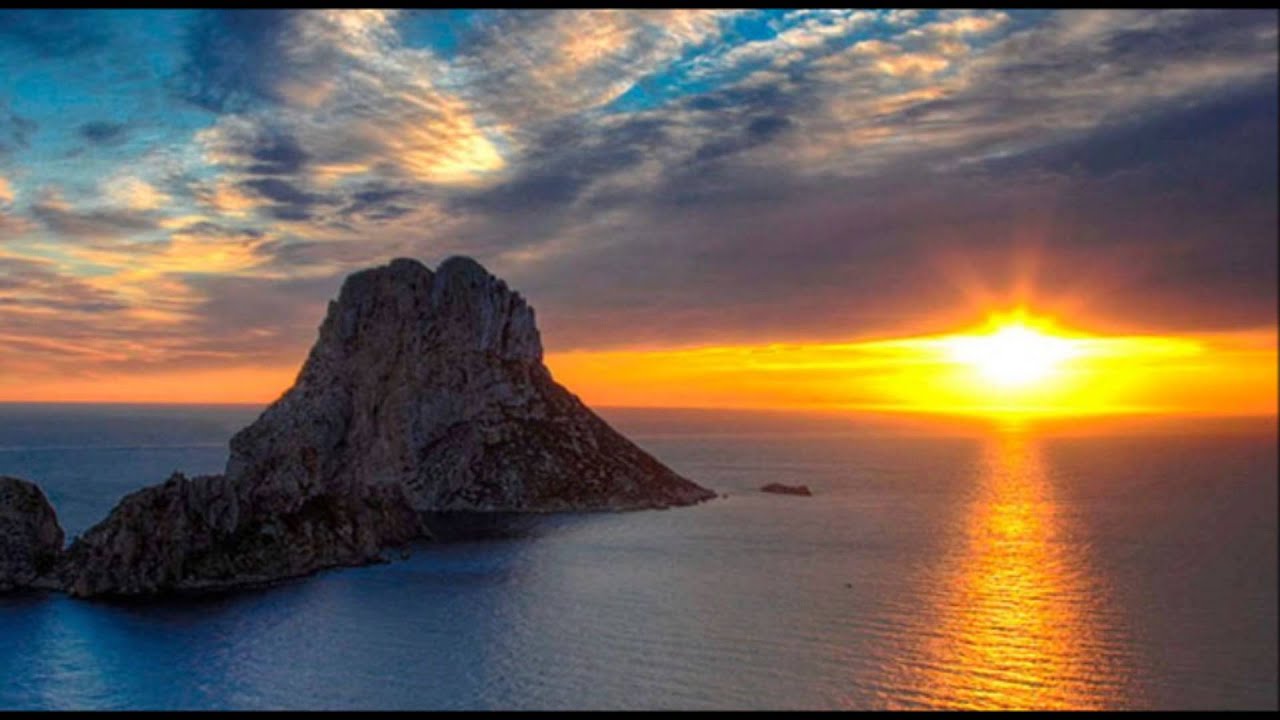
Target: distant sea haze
[1125, 564]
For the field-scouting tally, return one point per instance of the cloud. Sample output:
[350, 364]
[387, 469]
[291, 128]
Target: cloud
[11, 226]
[532, 67]
[141, 307]
[1139, 219]
[798, 36]
[880, 101]
[352, 101]
[104, 133]
[663, 178]
[56, 323]
[222, 197]
[61, 218]
[651, 204]
[233, 59]
[892, 60]
[963, 22]
[15, 130]
[284, 200]
[135, 194]
[198, 248]
[254, 147]
[355, 107]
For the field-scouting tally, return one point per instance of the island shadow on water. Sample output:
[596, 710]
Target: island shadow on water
[468, 526]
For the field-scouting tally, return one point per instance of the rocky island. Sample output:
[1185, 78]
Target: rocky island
[424, 393]
[780, 489]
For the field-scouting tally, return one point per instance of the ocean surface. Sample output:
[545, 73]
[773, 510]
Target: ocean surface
[1119, 564]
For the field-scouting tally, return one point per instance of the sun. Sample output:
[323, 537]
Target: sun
[1014, 353]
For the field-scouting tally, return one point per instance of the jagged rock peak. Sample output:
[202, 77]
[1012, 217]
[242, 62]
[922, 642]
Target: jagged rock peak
[461, 303]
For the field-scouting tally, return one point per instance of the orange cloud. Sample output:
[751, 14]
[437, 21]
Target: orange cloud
[968, 25]
[135, 194]
[225, 198]
[892, 60]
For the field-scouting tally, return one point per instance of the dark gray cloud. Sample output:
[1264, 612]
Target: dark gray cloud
[233, 59]
[379, 202]
[1219, 144]
[1131, 221]
[36, 285]
[280, 191]
[262, 149]
[1204, 34]
[104, 133]
[276, 153]
[286, 200]
[91, 223]
[693, 139]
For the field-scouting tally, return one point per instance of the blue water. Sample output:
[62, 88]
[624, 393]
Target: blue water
[1130, 565]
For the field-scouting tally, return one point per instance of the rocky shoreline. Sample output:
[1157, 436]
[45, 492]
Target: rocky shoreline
[425, 392]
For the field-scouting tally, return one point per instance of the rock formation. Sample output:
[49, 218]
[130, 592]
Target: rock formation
[208, 533]
[425, 392]
[435, 381]
[30, 538]
[780, 489]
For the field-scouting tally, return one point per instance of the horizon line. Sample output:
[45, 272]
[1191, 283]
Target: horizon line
[959, 414]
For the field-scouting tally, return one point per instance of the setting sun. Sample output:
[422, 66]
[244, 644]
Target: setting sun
[1014, 354]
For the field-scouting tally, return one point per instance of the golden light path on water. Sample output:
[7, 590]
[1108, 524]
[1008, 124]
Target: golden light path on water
[1019, 622]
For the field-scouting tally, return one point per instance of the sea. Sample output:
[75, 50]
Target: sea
[972, 564]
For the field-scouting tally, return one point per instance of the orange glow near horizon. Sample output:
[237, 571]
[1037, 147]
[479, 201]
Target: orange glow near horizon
[233, 385]
[1016, 364]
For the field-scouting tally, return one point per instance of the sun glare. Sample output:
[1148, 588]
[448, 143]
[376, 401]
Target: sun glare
[1014, 354]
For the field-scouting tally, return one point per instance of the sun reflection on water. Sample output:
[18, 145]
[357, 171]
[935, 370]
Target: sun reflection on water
[1017, 622]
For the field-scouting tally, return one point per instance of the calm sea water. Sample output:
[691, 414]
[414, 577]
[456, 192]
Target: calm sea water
[1131, 565]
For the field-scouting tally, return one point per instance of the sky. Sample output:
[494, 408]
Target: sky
[181, 192]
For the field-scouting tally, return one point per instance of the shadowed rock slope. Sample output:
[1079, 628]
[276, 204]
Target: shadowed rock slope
[425, 392]
[30, 538]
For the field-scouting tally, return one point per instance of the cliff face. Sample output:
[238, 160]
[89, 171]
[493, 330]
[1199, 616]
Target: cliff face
[30, 538]
[424, 392]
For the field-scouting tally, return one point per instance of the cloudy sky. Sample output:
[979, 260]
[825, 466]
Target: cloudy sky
[182, 191]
